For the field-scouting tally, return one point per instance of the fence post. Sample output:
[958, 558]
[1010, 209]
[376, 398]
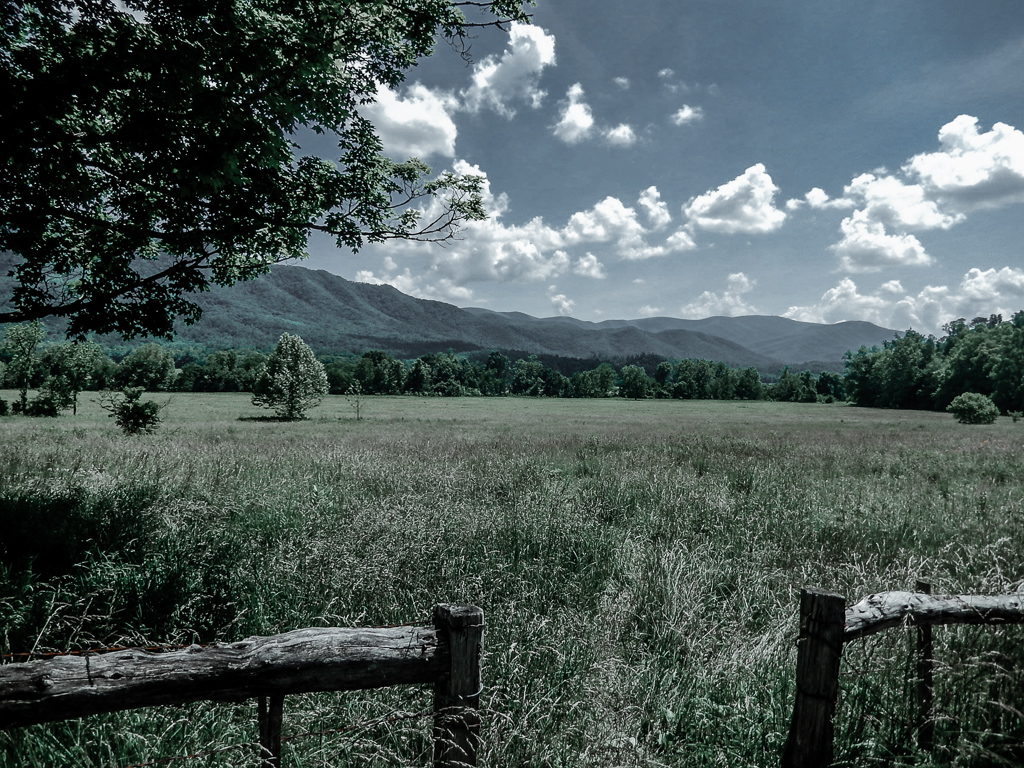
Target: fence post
[820, 647]
[925, 684]
[270, 730]
[457, 695]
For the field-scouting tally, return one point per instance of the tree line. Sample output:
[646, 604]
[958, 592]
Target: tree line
[59, 371]
[984, 356]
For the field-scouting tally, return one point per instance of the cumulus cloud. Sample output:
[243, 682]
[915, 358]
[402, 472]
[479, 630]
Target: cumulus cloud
[665, 73]
[560, 301]
[606, 221]
[576, 121]
[589, 266]
[973, 170]
[416, 125]
[934, 190]
[866, 247]
[980, 293]
[994, 285]
[622, 82]
[687, 114]
[681, 240]
[621, 135]
[656, 209]
[731, 303]
[896, 204]
[743, 205]
[648, 311]
[817, 198]
[493, 250]
[514, 76]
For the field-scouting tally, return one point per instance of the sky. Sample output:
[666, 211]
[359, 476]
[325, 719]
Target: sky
[823, 160]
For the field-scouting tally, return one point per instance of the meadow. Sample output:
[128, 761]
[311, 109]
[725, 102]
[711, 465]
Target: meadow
[639, 565]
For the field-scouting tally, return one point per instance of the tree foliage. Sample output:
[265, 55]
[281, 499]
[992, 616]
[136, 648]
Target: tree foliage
[293, 380]
[132, 414]
[20, 342]
[151, 147]
[972, 408]
[985, 356]
[150, 367]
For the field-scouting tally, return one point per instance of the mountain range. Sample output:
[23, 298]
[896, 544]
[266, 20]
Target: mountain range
[334, 315]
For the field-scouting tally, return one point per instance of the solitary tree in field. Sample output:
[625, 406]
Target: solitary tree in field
[293, 380]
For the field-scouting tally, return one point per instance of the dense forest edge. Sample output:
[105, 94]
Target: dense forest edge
[912, 371]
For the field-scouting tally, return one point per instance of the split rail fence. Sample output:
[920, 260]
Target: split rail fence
[448, 656]
[826, 624]
[270, 668]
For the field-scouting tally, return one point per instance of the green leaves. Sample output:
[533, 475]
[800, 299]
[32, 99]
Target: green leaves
[292, 381]
[152, 153]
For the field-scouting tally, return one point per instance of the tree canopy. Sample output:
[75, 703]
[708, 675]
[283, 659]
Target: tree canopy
[151, 146]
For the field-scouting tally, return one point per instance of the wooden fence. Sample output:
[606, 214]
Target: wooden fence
[826, 624]
[270, 668]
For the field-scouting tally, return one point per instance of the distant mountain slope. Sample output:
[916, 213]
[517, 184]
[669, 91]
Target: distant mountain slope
[336, 315]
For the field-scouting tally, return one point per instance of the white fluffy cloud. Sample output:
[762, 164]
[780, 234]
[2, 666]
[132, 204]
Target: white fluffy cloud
[589, 266]
[622, 82]
[621, 135]
[648, 311]
[514, 76]
[745, 204]
[656, 209]
[731, 303]
[866, 247]
[687, 114]
[494, 251]
[973, 170]
[933, 190]
[980, 293]
[576, 121]
[416, 125]
[560, 301]
[897, 205]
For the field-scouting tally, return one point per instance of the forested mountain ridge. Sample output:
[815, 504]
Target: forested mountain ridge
[335, 315]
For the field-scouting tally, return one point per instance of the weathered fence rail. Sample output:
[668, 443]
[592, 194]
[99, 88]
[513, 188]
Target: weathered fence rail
[826, 624]
[269, 668]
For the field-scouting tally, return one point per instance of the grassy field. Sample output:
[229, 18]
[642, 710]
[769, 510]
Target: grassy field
[638, 563]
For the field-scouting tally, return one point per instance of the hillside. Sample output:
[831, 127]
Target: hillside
[336, 315]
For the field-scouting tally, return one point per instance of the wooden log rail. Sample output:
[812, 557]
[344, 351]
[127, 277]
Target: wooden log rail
[446, 655]
[826, 624]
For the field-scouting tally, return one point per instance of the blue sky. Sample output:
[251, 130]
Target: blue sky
[825, 160]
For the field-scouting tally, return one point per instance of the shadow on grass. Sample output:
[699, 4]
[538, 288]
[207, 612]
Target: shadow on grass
[269, 418]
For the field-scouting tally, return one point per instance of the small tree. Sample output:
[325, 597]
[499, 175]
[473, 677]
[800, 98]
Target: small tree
[292, 381]
[130, 413]
[354, 398]
[71, 365]
[973, 408]
[21, 342]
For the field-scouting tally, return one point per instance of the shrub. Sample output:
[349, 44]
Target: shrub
[131, 414]
[4, 407]
[1015, 415]
[46, 403]
[973, 408]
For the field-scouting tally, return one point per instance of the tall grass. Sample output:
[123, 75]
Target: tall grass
[638, 563]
